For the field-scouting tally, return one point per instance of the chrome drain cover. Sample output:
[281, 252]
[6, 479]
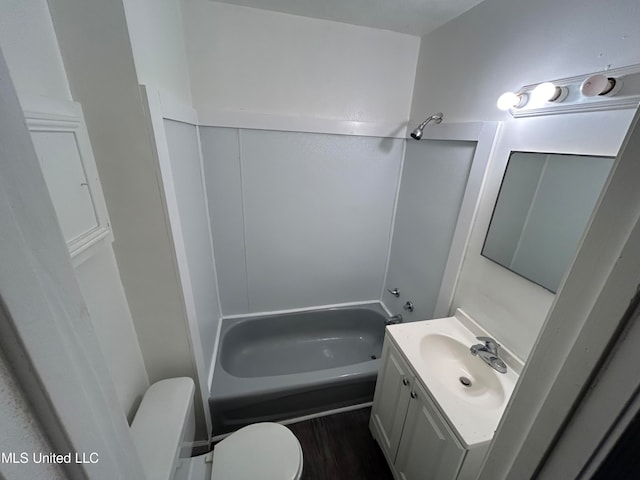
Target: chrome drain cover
[465, 381]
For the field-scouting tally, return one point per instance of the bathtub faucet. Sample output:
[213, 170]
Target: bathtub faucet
[393, 320]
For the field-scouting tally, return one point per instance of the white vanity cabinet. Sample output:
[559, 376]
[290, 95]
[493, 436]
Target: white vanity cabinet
[391, 399]
[416, 439]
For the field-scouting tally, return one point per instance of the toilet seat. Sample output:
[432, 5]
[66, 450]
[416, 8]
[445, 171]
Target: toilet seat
[265, 451]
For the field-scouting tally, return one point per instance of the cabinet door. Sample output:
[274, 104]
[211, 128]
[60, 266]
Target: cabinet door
[391, 399]
[428, 449]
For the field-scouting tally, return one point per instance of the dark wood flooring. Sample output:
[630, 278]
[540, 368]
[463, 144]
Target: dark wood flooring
[339, 447]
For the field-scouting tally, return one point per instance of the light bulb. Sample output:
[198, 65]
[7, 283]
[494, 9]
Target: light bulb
[548, 92]
[594, 85]
[509, 100]
[600, 85]
[544, 92]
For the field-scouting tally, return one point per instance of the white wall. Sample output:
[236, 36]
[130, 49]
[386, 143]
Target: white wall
[95, 46]
[157, 41]
[299, 219]
[21, 431]
[28, 40]
[31, 50]
[497, 46]
[101, 287]
[501, 45]
[45, 331]
[254, 61]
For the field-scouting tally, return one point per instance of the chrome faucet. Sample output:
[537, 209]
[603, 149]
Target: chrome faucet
[393, 320]
[488, 352]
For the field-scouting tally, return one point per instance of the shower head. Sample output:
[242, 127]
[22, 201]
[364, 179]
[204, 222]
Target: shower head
[417, 133]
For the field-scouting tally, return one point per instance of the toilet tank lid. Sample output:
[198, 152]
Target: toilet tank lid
[159, 425]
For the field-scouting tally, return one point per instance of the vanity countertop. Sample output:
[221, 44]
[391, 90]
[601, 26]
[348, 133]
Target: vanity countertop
[438, 351]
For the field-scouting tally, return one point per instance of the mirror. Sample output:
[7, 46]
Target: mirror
[542, 210]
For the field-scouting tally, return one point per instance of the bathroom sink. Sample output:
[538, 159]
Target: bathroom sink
[467, 377]
[439, 353]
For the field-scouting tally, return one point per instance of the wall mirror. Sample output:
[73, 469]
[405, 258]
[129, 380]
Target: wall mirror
[542, 210]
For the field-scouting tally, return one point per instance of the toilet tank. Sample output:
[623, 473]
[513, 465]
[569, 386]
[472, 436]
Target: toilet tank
[164, 426]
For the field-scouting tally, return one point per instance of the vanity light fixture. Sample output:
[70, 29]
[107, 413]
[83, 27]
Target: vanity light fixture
[548, 92]
[509, 100]
[600, 85]
[603, 90]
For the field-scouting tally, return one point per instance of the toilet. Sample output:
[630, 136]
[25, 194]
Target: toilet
[164, 426]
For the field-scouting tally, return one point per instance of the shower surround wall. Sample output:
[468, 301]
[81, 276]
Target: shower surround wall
[185, 164]
[434, 180]
[333, 79]
[299, 219]
[244, 71]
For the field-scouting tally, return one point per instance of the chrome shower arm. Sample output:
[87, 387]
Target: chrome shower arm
[433, 118]
[417, 133]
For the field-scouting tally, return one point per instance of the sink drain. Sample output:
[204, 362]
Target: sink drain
[373, 357]
[465, 381]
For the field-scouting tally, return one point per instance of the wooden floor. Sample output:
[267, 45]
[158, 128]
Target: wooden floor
[339, 447]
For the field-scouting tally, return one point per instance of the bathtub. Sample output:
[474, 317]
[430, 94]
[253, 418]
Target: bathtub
[278, 367]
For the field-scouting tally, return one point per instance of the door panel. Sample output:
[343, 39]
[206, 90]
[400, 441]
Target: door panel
[428, 450]
[391, 399]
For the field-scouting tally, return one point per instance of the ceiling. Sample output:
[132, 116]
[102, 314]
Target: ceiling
[415, 17]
